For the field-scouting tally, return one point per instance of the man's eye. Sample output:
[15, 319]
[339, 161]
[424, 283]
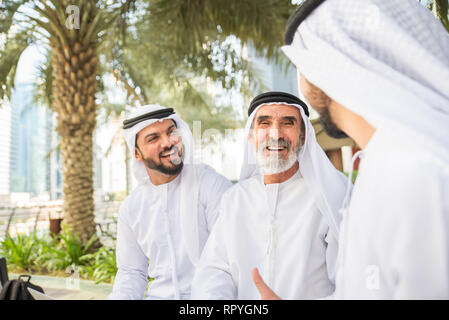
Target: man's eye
[152, 139]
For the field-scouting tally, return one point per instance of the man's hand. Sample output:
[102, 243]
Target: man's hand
[265, 292]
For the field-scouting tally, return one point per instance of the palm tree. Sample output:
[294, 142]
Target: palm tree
[73, 42]
[87, 38]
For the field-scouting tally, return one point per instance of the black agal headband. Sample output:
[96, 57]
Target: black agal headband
[276, 96]
[301, 13]
[158, 114]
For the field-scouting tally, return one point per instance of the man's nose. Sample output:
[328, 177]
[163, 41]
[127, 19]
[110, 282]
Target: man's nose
[274, 133]
[166, 142]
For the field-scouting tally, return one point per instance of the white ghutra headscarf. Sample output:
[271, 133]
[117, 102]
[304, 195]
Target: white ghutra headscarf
[386, 60]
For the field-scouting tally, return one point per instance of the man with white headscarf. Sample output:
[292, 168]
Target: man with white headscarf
[164, 223]
[378, 71]
[282, 217]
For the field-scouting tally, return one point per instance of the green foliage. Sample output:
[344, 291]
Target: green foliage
[261, 22]
[8, 8]
[166, 52]
[42, 246]
[174, 50]
[68, 251]
[101, 265]
[15, 44]
[354, 175]
[20, 251]
[45, 254]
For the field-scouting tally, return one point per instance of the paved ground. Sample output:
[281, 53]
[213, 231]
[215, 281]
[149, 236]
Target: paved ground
[70, 289]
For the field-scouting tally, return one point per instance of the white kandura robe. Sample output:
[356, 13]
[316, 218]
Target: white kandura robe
[149, 243]
[395, 236]
[388, 62]
[276, 228]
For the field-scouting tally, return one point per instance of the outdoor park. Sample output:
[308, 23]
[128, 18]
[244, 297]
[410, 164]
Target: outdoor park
[71, 71]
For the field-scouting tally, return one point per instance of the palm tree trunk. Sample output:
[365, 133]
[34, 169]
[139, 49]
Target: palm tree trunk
[75, 70]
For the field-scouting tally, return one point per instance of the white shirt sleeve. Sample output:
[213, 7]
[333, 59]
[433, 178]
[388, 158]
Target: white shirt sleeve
[131, 279]
[213, 279]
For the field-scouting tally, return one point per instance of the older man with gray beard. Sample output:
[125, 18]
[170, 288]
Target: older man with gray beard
[282, 217]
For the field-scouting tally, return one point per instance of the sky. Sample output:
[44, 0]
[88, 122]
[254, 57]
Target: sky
[27, 69]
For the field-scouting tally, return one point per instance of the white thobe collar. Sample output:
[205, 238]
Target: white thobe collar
[164, 186]
[294, 177]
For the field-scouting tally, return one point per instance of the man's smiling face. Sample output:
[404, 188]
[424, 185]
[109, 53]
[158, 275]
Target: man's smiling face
[276, 135]
[159, 147]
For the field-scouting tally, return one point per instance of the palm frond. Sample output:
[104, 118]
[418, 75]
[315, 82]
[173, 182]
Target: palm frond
[43, 93]
[261, 21]
[9, 58]
[8, 9]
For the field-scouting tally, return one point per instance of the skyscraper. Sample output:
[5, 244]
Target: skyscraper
[30, 143]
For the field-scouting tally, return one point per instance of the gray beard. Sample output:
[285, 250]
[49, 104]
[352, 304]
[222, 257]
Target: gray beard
[274, 164]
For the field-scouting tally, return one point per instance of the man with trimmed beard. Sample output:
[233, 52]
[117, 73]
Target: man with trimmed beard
[164, 223]
[282, 217]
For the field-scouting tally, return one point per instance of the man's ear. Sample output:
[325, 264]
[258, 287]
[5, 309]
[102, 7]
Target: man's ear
[137, 154]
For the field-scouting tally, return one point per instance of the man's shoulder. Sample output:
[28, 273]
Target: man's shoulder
[211, 179]
[403, 177]
[395, 155]
[242, 188]
[409, 165]
[207, 172]
[136, 194]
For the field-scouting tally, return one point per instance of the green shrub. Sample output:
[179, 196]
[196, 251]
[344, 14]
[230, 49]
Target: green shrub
[45, 254]
[19, 252]
[68, 251]
[43, 248]
[101, 266]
